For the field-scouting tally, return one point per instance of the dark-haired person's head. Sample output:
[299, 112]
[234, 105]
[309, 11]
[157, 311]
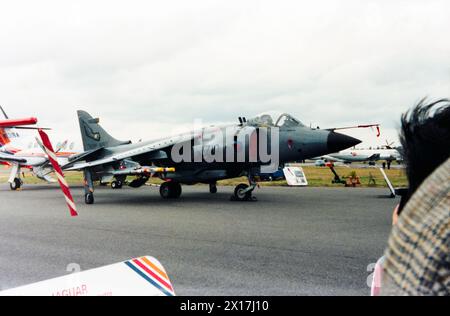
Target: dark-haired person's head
[425, 138]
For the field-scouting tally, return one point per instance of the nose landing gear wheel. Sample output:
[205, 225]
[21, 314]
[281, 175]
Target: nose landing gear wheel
[213, 188]
[241, 193]
[16, 184]
[170, 190]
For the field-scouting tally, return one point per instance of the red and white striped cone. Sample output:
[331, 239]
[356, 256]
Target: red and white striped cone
[62, 181]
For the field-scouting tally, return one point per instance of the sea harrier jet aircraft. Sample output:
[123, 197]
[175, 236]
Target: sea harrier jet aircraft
[204, 155]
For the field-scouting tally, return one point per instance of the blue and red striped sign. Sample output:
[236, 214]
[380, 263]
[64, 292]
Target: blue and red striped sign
[153, 273]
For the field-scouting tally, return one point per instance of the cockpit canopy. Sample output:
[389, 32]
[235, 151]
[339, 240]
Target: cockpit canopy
[274, 118]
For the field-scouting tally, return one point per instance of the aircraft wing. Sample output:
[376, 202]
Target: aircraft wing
[374, 157]
[87, 155]
[11, 158]
[145, 149]
[333, 159]
[17, 122]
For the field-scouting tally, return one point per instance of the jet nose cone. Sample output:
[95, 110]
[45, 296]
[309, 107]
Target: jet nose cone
[337, 142]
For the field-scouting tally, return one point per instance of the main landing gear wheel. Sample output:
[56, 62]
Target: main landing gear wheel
[116, 185]
[241, 193]
[16, 184]
[212, 188]
[170, 190]
[89, 198]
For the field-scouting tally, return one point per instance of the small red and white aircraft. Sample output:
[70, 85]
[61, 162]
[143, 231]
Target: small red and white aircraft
[41, 164]
[37, 161]
[14, 154]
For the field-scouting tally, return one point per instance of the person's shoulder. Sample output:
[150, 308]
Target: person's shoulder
[415, 258]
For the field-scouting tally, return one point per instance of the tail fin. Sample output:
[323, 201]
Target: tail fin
[93, 135]
[10, 138]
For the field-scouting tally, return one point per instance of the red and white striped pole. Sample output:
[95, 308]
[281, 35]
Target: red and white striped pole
[62, 181]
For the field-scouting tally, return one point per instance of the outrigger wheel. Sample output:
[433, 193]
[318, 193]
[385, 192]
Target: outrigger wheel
[117, 184]
[16, 184]
[170, 190]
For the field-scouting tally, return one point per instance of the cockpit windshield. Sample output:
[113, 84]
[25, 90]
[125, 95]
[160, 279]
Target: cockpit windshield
[277, 119]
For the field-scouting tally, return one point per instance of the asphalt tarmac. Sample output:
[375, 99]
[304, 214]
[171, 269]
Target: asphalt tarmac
[292, 241]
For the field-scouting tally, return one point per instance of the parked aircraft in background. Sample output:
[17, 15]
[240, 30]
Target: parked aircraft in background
[386, 153]
[15, 153]
[8, 158]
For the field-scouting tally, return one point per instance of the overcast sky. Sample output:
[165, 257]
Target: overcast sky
[143, 66]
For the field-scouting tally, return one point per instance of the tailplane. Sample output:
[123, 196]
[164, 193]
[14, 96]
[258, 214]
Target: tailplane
[93, 135]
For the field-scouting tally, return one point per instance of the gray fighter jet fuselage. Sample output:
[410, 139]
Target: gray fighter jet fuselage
[204, 155]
